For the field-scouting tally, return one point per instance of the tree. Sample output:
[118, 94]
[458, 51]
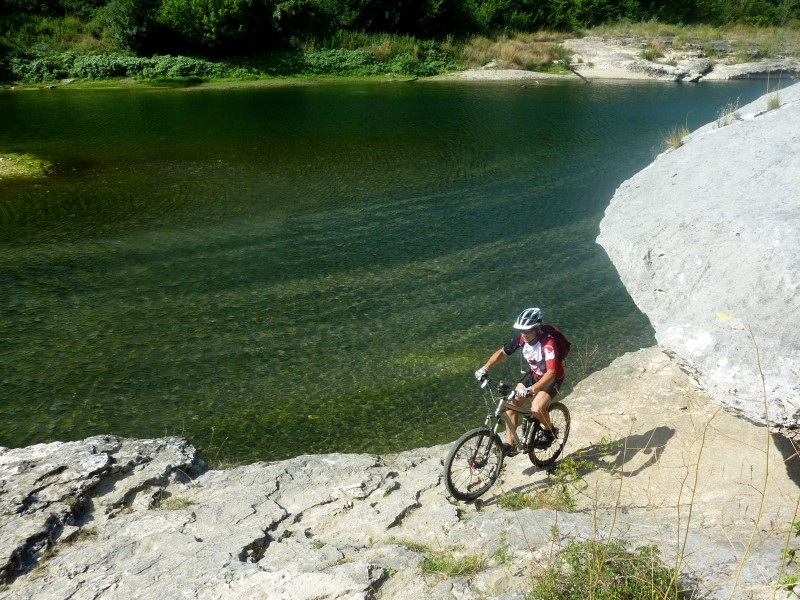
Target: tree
[130, 22]
[211, 24]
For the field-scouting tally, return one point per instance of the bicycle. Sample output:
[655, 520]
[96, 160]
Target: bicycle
[474, 462]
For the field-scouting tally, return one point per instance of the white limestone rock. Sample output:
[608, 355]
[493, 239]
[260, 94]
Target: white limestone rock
[706, 241]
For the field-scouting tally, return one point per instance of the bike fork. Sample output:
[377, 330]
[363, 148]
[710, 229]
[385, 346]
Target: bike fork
[473, 463]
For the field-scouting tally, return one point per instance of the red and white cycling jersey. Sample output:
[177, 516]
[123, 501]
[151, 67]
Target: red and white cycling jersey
[540, 355]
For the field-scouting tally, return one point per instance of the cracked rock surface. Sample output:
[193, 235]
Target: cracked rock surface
[110, 518]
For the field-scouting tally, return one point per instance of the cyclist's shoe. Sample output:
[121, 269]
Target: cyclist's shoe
[547, 438]
[509, 450]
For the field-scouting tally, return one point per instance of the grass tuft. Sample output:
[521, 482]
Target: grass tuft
[171, 503]
[448, 563]
[728, 113]
[532, 52]
[605, 571]
[674, 138]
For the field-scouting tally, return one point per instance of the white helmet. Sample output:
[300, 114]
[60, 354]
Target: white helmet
[528, 319]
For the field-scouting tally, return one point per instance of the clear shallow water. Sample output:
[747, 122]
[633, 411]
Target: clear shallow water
[280, 271]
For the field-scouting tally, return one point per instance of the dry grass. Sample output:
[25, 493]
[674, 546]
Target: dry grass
[534, 51]
[674, 139]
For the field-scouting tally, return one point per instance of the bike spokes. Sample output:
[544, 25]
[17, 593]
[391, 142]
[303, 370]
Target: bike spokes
[544, 452]
[473, 464]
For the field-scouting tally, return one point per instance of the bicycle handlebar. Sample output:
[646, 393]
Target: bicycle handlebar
[500, 387]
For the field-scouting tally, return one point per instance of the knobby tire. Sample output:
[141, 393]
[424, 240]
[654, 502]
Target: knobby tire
[467, 475]
[559, 417]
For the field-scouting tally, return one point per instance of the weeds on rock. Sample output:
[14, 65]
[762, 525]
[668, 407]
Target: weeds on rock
[444, 562]
[791, 559]
[674, 139]
[516, 501]
[503, 555]
[653, 51]
[447, 563]
[728, 113]
[604, 571]
[565, 479]
[171, 503]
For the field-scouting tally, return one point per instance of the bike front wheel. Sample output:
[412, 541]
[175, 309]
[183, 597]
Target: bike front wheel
[473, 464]
[542, 455]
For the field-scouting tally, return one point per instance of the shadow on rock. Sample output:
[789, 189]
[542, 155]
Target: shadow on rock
[790, 449]
[629, 455]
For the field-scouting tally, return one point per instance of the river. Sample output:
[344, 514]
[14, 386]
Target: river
[315, 268]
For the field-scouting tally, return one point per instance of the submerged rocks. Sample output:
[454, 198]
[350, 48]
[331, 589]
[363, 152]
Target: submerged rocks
[706, 241]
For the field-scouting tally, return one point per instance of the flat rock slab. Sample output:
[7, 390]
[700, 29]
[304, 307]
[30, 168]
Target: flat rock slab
[658, 462]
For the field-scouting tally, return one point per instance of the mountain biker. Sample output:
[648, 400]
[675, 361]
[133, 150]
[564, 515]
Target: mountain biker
[543, 378]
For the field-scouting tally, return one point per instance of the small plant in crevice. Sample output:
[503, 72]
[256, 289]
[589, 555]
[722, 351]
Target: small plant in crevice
[163, 502]
[773, 102]
[444, 562]
[674, 139]
[514, 500]
[567, 478]
[562, 483]
[503, 555]
[449, 563]
[790, 571]
[728, 113]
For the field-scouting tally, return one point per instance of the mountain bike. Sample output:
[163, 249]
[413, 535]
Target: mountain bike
[475, 461]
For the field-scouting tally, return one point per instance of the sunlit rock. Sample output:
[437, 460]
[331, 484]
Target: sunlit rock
[706, 241]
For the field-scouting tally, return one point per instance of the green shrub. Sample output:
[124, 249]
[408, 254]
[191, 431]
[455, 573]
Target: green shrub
[606, 572]
[209, 23]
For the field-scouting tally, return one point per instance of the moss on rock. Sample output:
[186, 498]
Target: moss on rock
[23, 165]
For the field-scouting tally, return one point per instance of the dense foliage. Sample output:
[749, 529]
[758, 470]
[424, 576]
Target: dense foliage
[44, 30]
[335, 62]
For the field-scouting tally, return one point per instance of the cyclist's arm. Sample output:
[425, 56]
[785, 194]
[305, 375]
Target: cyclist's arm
[494, 359]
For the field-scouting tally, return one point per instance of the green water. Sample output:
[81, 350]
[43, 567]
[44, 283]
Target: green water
[273, 272]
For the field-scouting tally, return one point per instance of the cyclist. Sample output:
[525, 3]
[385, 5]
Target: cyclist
[543, 378]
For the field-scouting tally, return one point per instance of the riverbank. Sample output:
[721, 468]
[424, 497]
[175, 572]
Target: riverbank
[650, 462]
[591, 57]
[635, 58]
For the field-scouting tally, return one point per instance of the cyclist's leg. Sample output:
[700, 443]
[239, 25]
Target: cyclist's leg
[541, 403]
[539, 406]
[513, 415]
[525, 382]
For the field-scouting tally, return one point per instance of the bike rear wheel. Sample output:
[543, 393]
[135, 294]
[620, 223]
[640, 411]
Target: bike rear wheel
[559, 417]
[473, 464]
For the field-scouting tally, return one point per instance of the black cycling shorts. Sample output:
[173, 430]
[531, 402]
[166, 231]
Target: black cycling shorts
[552, 389]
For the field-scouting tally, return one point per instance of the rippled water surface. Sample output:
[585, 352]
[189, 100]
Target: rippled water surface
[279, 271]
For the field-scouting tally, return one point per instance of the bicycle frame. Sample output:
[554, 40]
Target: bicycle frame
[474, 462]
[499, 415]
